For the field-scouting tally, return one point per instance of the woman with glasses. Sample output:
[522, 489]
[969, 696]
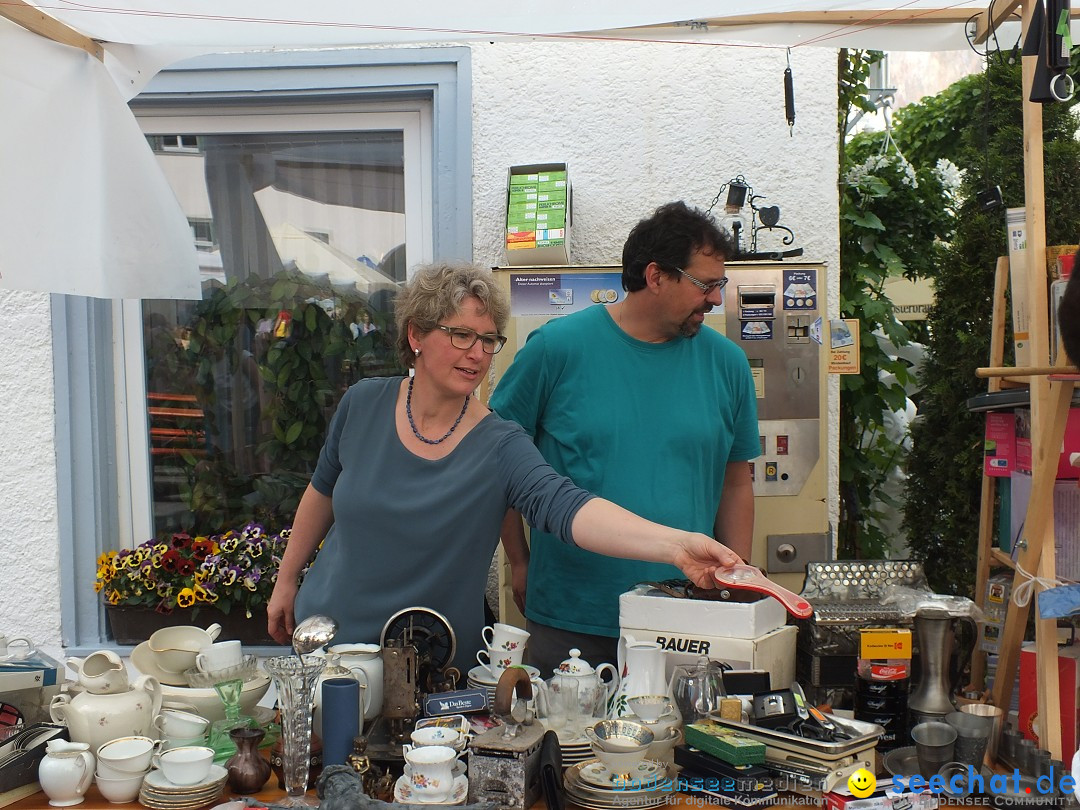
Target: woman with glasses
[416, 476]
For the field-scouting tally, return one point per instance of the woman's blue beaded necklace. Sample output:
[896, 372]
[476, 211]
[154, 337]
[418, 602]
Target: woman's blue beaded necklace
[412, 424]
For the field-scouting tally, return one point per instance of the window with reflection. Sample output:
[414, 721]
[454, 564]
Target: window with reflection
[301, 241]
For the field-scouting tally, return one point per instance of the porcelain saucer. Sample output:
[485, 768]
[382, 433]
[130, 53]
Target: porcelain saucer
[144, 660]
[403, 792]
[156, 779]
[645, 772]
[482, 674]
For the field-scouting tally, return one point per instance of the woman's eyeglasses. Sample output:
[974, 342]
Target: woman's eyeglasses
[464, 338]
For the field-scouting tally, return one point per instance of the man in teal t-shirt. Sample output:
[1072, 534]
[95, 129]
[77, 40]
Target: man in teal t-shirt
[639, 403]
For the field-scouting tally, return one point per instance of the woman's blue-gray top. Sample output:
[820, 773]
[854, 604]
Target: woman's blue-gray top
[410, 532]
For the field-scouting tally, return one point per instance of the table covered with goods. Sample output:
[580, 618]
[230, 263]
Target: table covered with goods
[194, 720]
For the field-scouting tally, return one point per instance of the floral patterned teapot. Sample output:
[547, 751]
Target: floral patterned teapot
[97, 719]
[593, 691]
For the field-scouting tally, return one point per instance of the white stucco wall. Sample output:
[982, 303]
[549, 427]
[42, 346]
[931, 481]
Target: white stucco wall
[639, 124]
[29, 556]
[642, 124]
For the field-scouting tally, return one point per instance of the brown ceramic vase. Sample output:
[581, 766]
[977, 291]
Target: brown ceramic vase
[248, 770]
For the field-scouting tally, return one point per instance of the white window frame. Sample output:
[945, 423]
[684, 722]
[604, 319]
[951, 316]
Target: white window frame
[133, 467]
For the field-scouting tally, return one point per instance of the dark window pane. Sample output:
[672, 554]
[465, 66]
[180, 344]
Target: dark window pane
[301, 246]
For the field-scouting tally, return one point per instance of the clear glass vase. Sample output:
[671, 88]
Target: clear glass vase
[295, 678]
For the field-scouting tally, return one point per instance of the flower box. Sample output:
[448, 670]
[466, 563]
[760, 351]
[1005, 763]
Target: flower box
[134, 624]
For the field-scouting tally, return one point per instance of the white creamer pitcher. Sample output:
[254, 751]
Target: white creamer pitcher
[65, 772]
[366, 657]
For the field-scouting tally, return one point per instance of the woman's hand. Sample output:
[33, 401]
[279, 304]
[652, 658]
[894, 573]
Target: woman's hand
[698, 556]
[280, 620]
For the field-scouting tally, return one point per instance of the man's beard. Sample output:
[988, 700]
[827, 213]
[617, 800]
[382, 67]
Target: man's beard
[689, 328]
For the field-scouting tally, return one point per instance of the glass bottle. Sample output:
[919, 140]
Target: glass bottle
[223, 745]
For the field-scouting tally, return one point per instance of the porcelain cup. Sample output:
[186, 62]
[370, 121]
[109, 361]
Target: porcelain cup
[650, 708]
[504, 637]
[185, 766]
[498, 660]
[431, 772]
[119, 789]
[219, 655]
[125, 756]
[15, 648]
[436, 735]
[169, 743]
[620, 764]
[176, 724]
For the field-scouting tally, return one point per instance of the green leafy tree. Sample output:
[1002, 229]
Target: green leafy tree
[977, 124]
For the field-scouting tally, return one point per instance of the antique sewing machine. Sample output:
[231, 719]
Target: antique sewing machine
[418, 645]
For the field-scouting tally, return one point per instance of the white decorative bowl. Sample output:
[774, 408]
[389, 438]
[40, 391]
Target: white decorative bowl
[205, 701]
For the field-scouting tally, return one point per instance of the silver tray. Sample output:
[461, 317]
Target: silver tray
[868, 734]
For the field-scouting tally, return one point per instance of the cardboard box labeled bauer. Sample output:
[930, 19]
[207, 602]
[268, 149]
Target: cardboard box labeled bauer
[774, 651]
[647, 607]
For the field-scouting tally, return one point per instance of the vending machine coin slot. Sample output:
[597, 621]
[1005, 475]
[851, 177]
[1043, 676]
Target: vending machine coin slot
[798, 328]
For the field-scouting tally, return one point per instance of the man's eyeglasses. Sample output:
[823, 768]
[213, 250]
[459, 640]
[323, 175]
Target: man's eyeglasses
[464, 338]
[701, 285]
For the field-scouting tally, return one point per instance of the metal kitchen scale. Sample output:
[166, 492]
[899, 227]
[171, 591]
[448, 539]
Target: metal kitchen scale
[809, 765]
[418, 645]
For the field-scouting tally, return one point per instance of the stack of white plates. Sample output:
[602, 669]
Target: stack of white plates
[158, 793]
[479, 677]
[590, 785]
[573, 745]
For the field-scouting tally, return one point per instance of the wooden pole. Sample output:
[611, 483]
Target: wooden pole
[1024, 371]
[32, 19]
[989, 484]
[1045, 439]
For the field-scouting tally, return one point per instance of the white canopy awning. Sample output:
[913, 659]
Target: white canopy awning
[84, 205]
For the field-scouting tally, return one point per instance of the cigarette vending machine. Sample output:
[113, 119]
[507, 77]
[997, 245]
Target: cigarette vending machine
[773, 311]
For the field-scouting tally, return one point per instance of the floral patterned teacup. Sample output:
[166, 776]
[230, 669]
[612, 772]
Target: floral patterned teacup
[436, 735]
[498, 660]
[431, 771]
[505, 638]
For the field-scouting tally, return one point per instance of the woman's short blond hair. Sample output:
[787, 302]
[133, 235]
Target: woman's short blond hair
[437, 291]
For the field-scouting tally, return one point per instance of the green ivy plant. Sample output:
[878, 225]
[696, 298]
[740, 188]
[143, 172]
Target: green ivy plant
[289, 343]
[893, 218]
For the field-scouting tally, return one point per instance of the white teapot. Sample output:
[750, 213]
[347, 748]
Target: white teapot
[97, 719]
[593, 692]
